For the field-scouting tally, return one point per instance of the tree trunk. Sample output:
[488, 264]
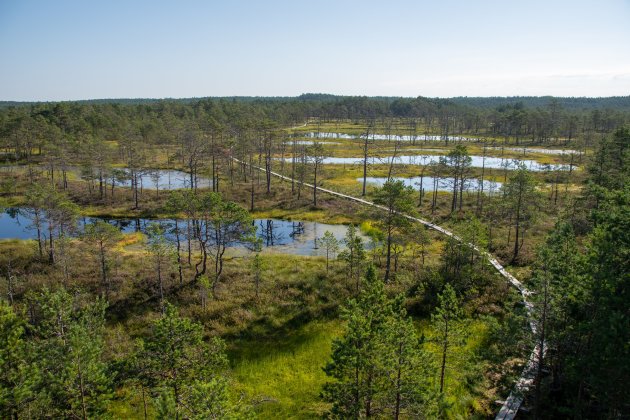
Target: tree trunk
[144, 402]
[398, 380]
[51, 249]
[104, 269]
[161, 286]
[389, 254]
[480, 191]
[315, 186]
[541, 350]
[39, 238]
[365, 159]
[443, 364]
[179, 255]
[517, 230]
[82, 391]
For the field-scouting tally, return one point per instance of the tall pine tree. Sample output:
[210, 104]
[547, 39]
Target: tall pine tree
[378, 367]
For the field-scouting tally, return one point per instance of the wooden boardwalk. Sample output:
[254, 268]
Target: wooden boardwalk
[511, 406]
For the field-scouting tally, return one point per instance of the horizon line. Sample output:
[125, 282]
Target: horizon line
[180, 98]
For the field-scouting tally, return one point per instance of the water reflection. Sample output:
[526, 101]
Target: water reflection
[441, 184]
[419, 137]
[164, 179]
[279, 236]
[150, 179]
[476, 162]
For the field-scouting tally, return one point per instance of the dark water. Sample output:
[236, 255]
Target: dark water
[279, 236]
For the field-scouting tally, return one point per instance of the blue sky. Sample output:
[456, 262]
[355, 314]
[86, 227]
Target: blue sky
[66, 50]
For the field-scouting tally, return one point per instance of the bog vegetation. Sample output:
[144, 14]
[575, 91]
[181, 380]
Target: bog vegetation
[199, 314]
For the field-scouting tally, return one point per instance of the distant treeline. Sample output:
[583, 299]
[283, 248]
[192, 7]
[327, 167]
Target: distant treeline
[521, 119]
[571, 103]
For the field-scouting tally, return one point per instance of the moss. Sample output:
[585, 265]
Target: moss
[285, 372]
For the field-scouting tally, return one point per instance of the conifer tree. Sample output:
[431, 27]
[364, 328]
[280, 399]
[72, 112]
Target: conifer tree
[102, 236]
[18, 375]
[445, 321]
[162, 254]
[358, 356]
[69, 346]
[185, 373]
[377, 366]
[409, 365]
[353, 256]
[397, 201]
[330, 245]
[520, 202]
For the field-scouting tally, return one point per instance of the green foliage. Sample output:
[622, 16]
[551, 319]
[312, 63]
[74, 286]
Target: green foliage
[101, 232]
[330, 245]
[520, 202]
[18, 376]
[397, 201]
[185, 372]
[75, 381]
[378, 366]
[210, 399]
[162, 253]
[165, 406]
[217, 223]
[607, 357]
[101, 236]
[582, 299]
[354, 256]
[50, 209]
[458, 163]
[463, 265]
[446, 321]
[610, 168]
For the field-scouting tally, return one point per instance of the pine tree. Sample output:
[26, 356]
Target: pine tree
[458, 162]
[102, 236]
[69, 346]
[257, 265]
[18, 375]
[557, 284]
[378, 366]
[330, 245]
[316, 155]
[520, 202]
[162, 254]
[357, 357]
[603, 366]
[353, 256]
[445, 321]
[398, 202]
[408, 369]
[185, 372]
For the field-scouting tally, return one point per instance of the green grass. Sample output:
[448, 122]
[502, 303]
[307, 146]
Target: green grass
[284, 373]
[127, 404]
[466, 388]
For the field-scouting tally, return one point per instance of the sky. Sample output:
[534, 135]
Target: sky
[70, 50]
